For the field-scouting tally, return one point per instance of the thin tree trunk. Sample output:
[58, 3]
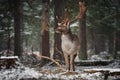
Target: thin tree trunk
[18, 28]
[45, 30]
[114, 46]
[111, 43]
[59, 7]
[90, 42]
[100, 43]
[83, 41]
[117, 36]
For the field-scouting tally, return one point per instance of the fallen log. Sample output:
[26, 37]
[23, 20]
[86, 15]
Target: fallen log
[93, 62]
[7, 62]
[106, 71]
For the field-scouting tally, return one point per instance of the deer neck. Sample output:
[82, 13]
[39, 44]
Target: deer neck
[67, 35]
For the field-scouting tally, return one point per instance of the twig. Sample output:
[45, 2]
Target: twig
[45, 57]
[58, 50]
[73, 21]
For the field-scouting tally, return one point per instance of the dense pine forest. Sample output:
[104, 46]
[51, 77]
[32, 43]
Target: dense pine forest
[32, 49]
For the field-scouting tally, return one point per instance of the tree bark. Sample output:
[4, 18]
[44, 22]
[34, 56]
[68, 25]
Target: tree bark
[100, 43]
[18, 28]
[45, 30]
[59, 7]
[117, 37]
[83, 41]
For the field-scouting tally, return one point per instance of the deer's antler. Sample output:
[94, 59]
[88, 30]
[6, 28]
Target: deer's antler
[67, 18]
[82, 11]
[66, 21]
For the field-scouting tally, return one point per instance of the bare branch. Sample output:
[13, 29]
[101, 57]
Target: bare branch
[58, 50]
[45, 57]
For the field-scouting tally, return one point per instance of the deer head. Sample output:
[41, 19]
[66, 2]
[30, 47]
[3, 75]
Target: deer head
[63, 26]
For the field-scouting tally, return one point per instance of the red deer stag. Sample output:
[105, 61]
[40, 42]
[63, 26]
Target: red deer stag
[70, 42]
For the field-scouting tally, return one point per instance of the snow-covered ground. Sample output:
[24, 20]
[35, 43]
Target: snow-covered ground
[25, 73]
[51, 72]
[18, 73]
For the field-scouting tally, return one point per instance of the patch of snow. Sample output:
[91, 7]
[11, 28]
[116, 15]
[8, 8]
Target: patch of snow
[104, 69]
[102, 56]
[74, 24]
[86, 76]
[10, 57]
[77, 59]
[93, 60]
[113, 77]
[18, 73]
[30, 73]
[38, 17]
[96, 57]
[94, 76]
[1, 31]
[39, 8]
[80, 75]
[115, 64]
[28, 33]
[1, 15]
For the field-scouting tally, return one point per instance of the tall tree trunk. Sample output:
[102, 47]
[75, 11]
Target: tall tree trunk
[117, 45]
[111, 42]
[59, 7]
[18, 27]
[100, 43]
[100, 40]
[114, 45]
[117, 35]
[83, 41]
[45, 30]
[90, 42]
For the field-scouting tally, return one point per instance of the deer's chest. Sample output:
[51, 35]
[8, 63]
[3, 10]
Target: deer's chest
[67, 45]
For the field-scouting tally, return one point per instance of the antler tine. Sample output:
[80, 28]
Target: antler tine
[66, 19]
[67, 15]
[82, 10]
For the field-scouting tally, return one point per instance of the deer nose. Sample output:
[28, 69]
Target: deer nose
[57, 30]
[58, 27]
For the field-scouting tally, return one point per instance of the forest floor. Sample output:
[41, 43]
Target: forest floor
[49, 72]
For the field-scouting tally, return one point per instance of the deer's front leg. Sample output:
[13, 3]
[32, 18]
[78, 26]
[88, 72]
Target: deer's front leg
[66, 61]
[72, 67]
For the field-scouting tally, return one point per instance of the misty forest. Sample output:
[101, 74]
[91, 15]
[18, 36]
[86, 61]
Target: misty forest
[59, 40]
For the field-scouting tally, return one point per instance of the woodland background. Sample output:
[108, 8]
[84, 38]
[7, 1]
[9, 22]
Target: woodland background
[28, 26]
